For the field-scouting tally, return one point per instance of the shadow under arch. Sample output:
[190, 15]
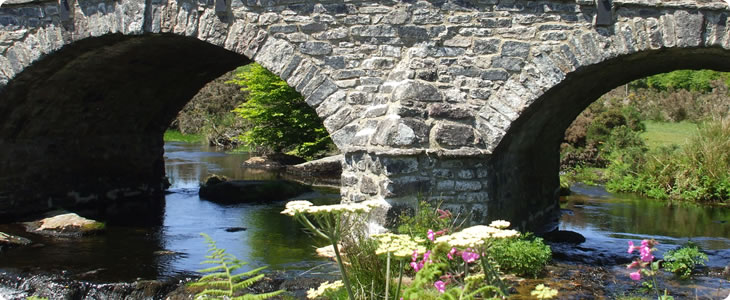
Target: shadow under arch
[525, 165]
[82, 127]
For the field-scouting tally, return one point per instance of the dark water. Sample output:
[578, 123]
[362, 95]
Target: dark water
[176, 248]
[609, 221]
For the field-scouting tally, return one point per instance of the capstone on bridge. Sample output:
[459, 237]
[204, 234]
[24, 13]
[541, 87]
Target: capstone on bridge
[459, 101]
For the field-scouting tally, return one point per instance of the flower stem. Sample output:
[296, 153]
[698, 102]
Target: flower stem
[387, 276]
[400, 280]
[342, 270]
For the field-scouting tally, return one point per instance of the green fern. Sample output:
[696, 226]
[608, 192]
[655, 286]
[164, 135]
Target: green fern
[220, 282]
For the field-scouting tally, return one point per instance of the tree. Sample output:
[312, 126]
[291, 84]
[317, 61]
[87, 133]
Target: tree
[282, 120]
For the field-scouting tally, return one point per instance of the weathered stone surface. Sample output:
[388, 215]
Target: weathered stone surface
[65, 224]
[330, 167]
[416, 90]
[412, 78]
[452, 136]
[273, 161]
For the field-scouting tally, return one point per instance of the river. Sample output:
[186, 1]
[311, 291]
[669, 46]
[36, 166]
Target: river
[260, 235]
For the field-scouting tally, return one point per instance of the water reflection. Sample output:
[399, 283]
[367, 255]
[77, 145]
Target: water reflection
[609, 221]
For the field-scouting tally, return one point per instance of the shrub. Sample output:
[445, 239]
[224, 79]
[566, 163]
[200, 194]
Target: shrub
[523, 256]
[682, 261]
[281, 119]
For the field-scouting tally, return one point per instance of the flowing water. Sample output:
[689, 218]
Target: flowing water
[262, 236]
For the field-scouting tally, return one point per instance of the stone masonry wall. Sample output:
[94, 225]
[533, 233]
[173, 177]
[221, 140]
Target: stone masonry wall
[421, 95]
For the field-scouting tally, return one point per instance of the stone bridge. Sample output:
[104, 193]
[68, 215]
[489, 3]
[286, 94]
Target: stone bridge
[463, 102]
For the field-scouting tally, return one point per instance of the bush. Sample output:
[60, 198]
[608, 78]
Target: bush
[523, 256]
[697, 172]
[281, 119]
[682, 261]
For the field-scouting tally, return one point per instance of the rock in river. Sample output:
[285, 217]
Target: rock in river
[65, 224]
[273, 161]
[220, 189]
[12, 241]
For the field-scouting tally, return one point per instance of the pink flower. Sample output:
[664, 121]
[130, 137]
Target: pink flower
[440, 285]
[632, 247]
[443, 214]
[417, 266]
[645, 254]
[634, 264]
[414, 257]
[427, 256]
[430, 235]
[635, 275]
[451, 253]
[469, 256]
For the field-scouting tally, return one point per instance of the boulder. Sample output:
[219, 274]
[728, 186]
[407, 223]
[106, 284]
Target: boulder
[221, 190]
[11, 241]
[328, 167]
[275, 161]
[65, 224]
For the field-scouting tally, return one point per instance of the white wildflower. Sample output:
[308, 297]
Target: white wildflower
[499, 224]
[323, 288]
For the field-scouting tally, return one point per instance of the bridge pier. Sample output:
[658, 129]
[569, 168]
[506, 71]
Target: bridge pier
[474, 186]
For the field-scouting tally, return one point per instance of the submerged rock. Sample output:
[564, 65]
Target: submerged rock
[66, 224]
[12, 241]
[220, 189]
[274, 161]
[564, 236]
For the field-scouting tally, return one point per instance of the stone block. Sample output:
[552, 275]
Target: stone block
[486, 46]
[407, 186]
[315, 48]
[467, 186]
[515, 49]
[416, 90]
[399, 165]
[443, 110]
[453, 136]
[513, 64]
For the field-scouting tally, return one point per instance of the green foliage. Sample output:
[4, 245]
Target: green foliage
[691, 80]
[364, 267]
[281, 119]
[176, 136]
[696, 172]
[682, 261]
[523, 256]
[425, 218]
[221, 283]
[424, 279]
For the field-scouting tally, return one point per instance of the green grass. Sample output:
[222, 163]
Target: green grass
[176, 136]
[664, 133]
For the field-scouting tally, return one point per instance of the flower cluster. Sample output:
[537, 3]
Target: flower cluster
[418, 265]
[476, 235]
[645, 257]
[324, 288]
[303, 206]
[399, 245]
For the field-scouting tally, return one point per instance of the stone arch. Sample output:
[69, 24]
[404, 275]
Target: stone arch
[85, 101]
[526, 162]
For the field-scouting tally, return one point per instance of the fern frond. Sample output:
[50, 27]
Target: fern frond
[248, 282]
[259, 296]
[214, 292]
[213, 269]
[252, 272]
[213, 276]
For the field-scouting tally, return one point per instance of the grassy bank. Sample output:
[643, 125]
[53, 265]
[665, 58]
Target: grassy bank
[665, 133]
[176, 136]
